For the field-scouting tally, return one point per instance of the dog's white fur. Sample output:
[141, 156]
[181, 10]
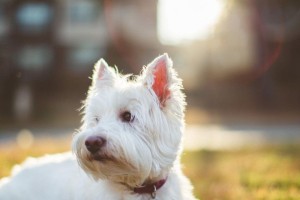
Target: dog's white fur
[144, 150]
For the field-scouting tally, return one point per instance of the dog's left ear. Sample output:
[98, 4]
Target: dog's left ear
[158, 77]
[103, 74]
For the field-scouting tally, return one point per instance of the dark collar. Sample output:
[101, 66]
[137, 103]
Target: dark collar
[150, 188]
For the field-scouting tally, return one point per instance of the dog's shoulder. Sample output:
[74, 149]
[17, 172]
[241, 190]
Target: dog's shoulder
[48, 161]
[34, 173]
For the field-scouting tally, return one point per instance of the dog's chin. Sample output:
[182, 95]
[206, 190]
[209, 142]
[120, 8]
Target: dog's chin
[100, 157]
[105, 163]
[107, 167]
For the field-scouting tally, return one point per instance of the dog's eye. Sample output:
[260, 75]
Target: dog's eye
[96, 119]
[127, 117]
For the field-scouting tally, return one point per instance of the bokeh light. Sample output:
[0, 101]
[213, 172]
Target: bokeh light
[186, 20]
[25, 139]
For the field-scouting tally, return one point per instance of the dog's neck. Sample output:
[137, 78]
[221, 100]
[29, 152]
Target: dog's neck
[150, 188]
[154, 182]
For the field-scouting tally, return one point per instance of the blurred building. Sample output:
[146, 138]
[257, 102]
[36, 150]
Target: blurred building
[48, 48]
[249, 62]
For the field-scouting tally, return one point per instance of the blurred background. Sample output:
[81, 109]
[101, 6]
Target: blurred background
[235, 57]
[238, 60]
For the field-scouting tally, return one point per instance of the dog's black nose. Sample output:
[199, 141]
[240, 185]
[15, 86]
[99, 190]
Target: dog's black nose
[94, 143]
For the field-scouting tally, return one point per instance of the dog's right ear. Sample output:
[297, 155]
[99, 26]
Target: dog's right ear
[103, 74]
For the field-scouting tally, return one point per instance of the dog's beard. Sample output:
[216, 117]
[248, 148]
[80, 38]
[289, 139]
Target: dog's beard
[111, 169]
[114, 169]
[113, 165]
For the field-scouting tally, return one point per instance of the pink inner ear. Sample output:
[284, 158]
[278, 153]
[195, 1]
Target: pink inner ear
[101, 72]
[160, 81]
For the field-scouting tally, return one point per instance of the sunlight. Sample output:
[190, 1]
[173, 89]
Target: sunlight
[25, 139]
[185, 20]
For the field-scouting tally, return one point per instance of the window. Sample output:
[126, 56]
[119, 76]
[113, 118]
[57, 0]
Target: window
[84, 56]
[35, 57]
[34, 17]
[84, 12]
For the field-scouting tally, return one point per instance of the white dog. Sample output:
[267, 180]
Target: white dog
[128, 147]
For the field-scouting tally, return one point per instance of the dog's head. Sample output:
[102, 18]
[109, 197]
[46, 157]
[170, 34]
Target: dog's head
[132, 127]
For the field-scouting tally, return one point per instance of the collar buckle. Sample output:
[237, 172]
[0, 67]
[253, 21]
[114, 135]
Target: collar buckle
[150, 189]
[153, 194]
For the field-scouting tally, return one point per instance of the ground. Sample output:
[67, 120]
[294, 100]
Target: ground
[266, 172]
[271, 173]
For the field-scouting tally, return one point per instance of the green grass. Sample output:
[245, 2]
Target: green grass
[271, 173]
